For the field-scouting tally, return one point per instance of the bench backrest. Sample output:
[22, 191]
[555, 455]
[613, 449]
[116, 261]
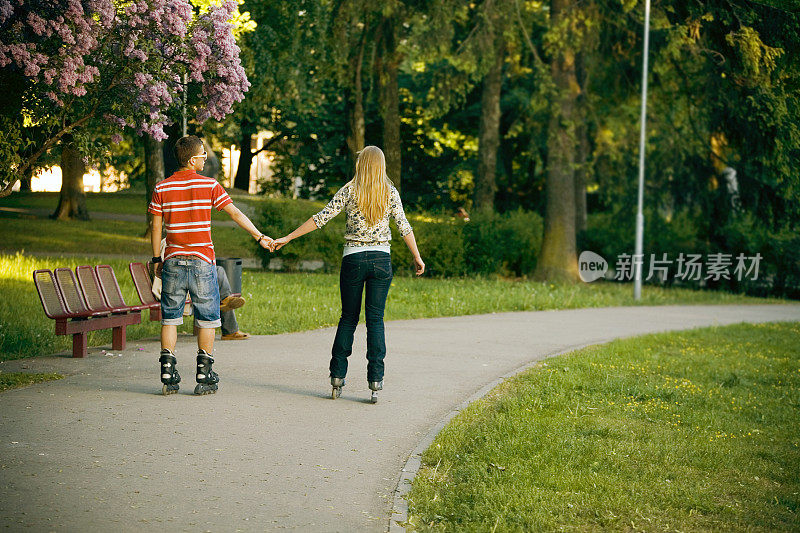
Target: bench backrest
[50, 296]
[109, 285]
[141, 280]
[90, 288]
[73, 300]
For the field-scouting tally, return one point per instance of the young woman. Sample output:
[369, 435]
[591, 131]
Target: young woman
[369, 200]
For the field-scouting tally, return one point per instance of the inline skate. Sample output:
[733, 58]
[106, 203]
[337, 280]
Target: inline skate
[207, 379]
[375, 386]
[169, 372]
[337, 384]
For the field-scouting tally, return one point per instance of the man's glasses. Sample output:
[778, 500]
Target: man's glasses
[204, 155]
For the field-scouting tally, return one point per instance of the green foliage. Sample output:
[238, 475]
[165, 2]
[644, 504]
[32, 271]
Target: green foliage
[491, 243]
[611, 234]
[281, 217]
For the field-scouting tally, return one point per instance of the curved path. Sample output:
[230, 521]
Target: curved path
[102, 451]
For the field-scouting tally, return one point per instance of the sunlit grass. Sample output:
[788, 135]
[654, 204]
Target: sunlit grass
[690, 431]
[113, 237]
[282, 302]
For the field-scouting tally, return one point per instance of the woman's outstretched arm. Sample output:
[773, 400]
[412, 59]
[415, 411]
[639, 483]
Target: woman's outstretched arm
[306, 227]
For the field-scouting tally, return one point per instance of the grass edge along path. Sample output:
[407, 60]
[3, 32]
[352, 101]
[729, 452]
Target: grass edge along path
[15, 380]
[288, 302]
[691, 430]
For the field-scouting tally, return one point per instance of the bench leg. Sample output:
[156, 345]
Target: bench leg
[80, 344]
[118, 338]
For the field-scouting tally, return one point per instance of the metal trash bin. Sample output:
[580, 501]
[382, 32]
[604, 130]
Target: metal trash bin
[233, 269]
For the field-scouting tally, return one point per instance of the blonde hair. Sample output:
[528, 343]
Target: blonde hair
[371, 185]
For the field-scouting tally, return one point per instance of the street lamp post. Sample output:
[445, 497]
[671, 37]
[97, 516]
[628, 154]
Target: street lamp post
[638, 258]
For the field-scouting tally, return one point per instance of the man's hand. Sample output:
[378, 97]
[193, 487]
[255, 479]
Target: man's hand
[154, 269]
[266, 242]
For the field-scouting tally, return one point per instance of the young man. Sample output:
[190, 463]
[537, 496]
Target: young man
[183, 202]
[228, 302]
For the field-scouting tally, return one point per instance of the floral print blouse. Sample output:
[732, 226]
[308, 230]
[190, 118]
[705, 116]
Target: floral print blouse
[358, 232]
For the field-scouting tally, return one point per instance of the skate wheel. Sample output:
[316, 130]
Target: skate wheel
[374, 398]
[169, 389]
[335, 393]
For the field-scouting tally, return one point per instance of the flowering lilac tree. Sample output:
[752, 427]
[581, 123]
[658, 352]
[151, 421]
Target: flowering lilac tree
[70, 65]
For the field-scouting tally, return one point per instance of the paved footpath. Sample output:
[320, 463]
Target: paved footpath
[102, 450]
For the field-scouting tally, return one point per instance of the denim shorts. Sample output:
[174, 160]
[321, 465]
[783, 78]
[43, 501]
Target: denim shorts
[182, 274]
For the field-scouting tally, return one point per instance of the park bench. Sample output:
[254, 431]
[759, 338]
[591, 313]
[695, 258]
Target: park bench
[144, 288]
[79, 308]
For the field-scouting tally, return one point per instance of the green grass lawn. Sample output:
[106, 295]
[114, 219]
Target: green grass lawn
[105, 237]
[689, 431]
[283, 302]
[130, 203]
[100, 236]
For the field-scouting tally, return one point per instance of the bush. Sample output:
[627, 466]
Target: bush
[491, 243]
[611, 234]
[280, 217]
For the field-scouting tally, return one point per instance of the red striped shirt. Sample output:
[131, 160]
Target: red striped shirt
[185, 200]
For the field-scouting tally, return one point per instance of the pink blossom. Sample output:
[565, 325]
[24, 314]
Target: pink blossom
[93, 40]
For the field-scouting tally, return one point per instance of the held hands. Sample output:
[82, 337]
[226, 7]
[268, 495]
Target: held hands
[277, 244]
[266, 242]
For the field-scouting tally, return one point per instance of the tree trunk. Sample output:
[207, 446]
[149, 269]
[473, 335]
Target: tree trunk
[581, 176]
[558, 258]
[355, 108]
[390, 102]
[26, 180]
[72, 202]
[242, 180]
[489, 135]
[153, 171]
[582, 147]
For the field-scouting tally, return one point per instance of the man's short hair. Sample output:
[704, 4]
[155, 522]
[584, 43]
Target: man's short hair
[186, 147]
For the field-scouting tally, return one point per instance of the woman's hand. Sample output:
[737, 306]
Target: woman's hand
[277, 244]
[419, 266]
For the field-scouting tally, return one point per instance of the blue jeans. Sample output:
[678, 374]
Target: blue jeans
[182, 274]
[229, 324]
[371, 270]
